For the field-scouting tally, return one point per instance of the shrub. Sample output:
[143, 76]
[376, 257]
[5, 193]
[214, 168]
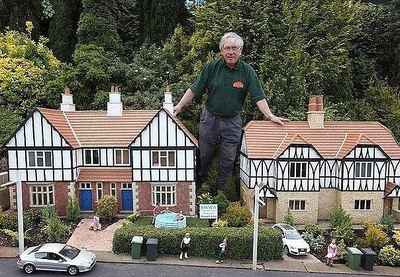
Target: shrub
[389, 256]
[220, 223]
[375, 236]
[342, 252]
[288, 218]
[204, 198]
[361, 243]
[237, 216]
[340, 218]
[344, 233]
[231, 188]
[31, 218]
[317, 243]
[387, 221]
[107, 207]
[314, 229]
[396, 237]
[222, 201]
[14, 236]
[73, 209]
[9, 221]
[47, 213]
[55, 229]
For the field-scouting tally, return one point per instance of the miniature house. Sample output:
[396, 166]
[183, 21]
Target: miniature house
[142, 157]
[313, 167]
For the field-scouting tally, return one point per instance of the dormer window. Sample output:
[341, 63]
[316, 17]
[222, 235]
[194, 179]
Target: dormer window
[92, 157]
[363, 170]
[121, 156]
[163, 158]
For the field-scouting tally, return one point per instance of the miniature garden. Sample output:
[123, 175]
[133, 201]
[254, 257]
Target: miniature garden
[235, 223]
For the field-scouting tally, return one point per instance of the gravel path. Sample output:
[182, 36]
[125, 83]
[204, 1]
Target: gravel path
[85, 238]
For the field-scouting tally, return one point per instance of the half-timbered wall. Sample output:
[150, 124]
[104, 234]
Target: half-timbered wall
[163, 134]
[37, 135]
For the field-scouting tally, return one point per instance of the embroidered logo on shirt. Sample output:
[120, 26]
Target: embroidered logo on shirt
[238, 84]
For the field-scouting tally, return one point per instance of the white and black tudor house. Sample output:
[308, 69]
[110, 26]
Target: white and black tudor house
[142, 157]
[313, 167]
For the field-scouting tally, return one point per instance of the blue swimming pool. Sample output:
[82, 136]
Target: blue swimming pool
[169, 220]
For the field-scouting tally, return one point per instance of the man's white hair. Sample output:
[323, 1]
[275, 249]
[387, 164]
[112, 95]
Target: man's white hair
[233, 36]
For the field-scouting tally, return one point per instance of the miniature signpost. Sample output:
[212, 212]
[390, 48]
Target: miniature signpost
[257, 202]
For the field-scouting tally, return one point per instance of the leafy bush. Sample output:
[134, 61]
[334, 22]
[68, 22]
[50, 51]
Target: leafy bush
[314, 229]
[340, 218]
[361, 243]
[389, 256]
[344, 233]
[231, 188]
[55, 229]
[288, 218]
[220, 223]
[73, 209]
[396, 237]
[222, 201]
[375, 235]
[107, 207]
[31, 218]
[47, 213]
[237, 216]
[342, 252]
[317, 243]
[14, 236]
[387, 221]
[9, 221]
[204, 198]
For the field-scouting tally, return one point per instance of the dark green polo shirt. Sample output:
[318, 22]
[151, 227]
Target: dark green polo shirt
[227, 88]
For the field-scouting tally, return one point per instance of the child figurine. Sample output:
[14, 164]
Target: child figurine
[221, 256]
[332, 251]
[185, 245]
[96, 226]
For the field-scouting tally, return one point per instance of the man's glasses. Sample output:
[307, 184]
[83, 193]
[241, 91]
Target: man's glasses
[232, 48]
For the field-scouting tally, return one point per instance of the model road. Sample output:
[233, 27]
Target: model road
[8, 268]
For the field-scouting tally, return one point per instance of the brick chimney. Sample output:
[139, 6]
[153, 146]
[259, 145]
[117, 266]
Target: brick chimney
[67, 102]
[114, 105]
[316, 112]
[167, 104]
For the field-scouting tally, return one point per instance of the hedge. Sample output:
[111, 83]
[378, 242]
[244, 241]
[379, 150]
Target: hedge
[204, 241]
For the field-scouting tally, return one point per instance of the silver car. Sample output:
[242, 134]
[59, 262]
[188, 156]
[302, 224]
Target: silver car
[56, 257]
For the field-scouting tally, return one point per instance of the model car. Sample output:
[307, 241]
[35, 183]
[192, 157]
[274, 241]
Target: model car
[293, 242]
[56, 257]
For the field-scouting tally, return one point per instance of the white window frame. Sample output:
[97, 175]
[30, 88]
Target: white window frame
[363, 169]
[120, 154]
[113, 189]
[40, 158]
[41, 195]
[89, 153]
[164, 194]
[126, 186]
[298, 169]
[297, 205]
[99, 191]
[363, 204]
[85, 185]
[163, 158]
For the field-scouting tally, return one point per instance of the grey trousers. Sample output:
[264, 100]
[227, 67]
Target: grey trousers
[223, 132]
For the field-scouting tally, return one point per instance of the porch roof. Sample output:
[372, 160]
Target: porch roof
[105, 175]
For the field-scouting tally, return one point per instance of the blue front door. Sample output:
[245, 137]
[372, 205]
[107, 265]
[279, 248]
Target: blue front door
[86, 199]
[127, 200]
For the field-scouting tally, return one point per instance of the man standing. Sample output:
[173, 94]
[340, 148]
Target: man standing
[227, 81]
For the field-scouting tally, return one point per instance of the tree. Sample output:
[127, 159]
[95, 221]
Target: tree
[25, 68]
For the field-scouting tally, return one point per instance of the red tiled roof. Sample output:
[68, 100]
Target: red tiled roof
[266, 140]
[96, 129]
[105, 175]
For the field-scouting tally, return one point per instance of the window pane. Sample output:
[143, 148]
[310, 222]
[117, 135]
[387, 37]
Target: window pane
[48, 158]
[171, 158]
[88, 158]
[155, 158]
[303, 205]
[357, 173]
[362, 204]
[356, 204]
[298, 170]
[31, 156]
[303, 169]
[118, 157]
[369, 169]
[291, 204]
[368, 204]
[292, 166]
[95, 156]
[362, 169]
[296, 205]
[125, 157]
[163, 161]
